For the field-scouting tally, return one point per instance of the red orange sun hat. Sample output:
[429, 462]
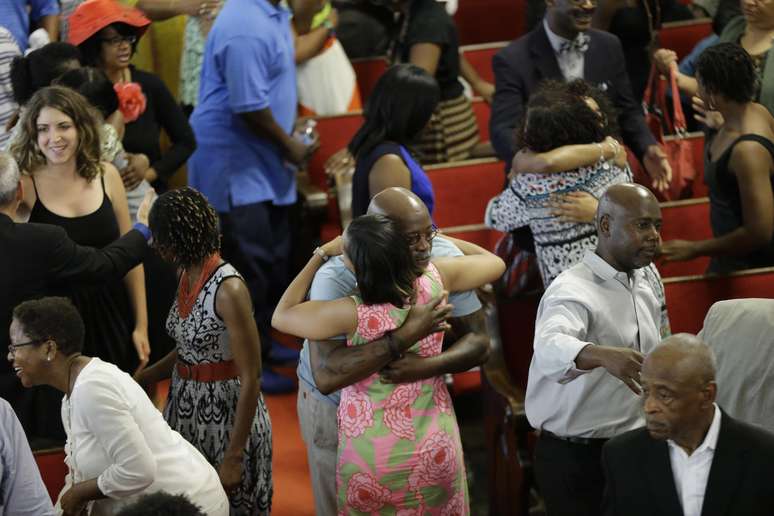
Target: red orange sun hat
[94, 15]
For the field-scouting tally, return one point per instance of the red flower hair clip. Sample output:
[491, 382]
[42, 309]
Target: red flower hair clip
[131, 100]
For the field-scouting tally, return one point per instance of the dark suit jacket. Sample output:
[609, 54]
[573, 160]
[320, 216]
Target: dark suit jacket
[34, 258]
[519, 68]
[640, 481]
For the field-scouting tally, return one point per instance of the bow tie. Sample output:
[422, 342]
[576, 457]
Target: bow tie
[579, 44]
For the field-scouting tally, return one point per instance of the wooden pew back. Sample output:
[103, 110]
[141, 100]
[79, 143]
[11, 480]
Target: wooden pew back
[689, 298]
[682, 36]
[52, 469]
[463, 189]
[367, 72]
[480, 57]
[482, 21]
[335, 133]
[685, 220]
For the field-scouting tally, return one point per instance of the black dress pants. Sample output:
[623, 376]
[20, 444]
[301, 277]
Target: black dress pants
[570, 476]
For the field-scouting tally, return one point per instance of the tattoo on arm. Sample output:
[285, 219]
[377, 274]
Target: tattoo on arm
[335, 365]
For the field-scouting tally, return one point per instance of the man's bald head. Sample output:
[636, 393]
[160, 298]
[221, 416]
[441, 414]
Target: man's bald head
[396, 202]
[678, 381]
[626, 197]
[408, 210]
[628, 226]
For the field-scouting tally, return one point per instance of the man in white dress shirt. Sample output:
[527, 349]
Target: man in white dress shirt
[690, 459]
[595, 323]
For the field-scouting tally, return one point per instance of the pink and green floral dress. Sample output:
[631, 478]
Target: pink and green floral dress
[399, 449]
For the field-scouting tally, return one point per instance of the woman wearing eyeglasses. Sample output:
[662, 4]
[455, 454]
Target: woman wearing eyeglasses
[399, 448]
[118, 445]
[107, 32]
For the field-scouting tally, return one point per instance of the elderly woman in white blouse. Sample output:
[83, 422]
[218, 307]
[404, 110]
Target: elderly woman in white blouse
[118, 444]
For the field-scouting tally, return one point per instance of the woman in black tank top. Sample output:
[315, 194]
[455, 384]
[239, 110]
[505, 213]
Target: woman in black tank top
[67, 185]
[738, 166]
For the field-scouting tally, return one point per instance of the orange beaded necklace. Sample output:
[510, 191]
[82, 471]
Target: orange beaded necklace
[186, 295]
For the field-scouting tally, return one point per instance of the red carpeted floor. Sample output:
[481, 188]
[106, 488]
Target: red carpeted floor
[292, 489]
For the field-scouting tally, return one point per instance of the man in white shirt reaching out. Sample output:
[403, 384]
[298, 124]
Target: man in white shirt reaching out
[691, 459]
[595, 323]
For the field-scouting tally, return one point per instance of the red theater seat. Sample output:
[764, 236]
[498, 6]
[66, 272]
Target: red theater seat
[682, 36]
[53, 470]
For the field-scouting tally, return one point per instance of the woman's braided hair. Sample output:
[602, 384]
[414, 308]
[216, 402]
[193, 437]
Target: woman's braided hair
[184, 225]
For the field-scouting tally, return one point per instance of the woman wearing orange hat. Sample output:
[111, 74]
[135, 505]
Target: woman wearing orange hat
[107, 32]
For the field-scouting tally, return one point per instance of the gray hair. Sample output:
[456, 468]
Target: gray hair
[9, 178]
[697, 356]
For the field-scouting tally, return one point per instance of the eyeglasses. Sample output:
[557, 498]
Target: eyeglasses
[117, 40]
[13, 347]
[413, 238]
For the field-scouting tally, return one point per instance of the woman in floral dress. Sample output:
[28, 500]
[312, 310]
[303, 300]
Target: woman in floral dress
[399, 447]
[214, 398]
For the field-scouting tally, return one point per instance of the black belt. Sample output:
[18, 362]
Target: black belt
[574, 440]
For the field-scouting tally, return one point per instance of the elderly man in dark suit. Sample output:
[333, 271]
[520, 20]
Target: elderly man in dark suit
[564, 47]
[691, 459]
[34, 258]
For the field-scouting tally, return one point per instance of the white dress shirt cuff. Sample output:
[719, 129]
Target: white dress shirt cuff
[572, 371]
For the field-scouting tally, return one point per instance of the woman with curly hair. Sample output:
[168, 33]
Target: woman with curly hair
[399, 448]
[67, 185]
[567, 161]
[214, 398]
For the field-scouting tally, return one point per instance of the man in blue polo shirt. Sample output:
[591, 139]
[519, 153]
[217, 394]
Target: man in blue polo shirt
[15, 15]
[245, 151]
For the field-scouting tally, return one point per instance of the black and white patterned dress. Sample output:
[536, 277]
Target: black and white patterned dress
[559, 244]
[204, 412]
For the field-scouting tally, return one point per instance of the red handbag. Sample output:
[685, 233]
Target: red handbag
[677, 149]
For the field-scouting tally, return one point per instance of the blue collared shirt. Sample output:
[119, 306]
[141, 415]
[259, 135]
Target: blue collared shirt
[248, 66]
[15, 17]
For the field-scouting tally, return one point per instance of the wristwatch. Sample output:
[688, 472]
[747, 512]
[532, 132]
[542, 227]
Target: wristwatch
[319, 251]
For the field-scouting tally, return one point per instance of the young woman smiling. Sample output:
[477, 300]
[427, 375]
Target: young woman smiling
[66, 184]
